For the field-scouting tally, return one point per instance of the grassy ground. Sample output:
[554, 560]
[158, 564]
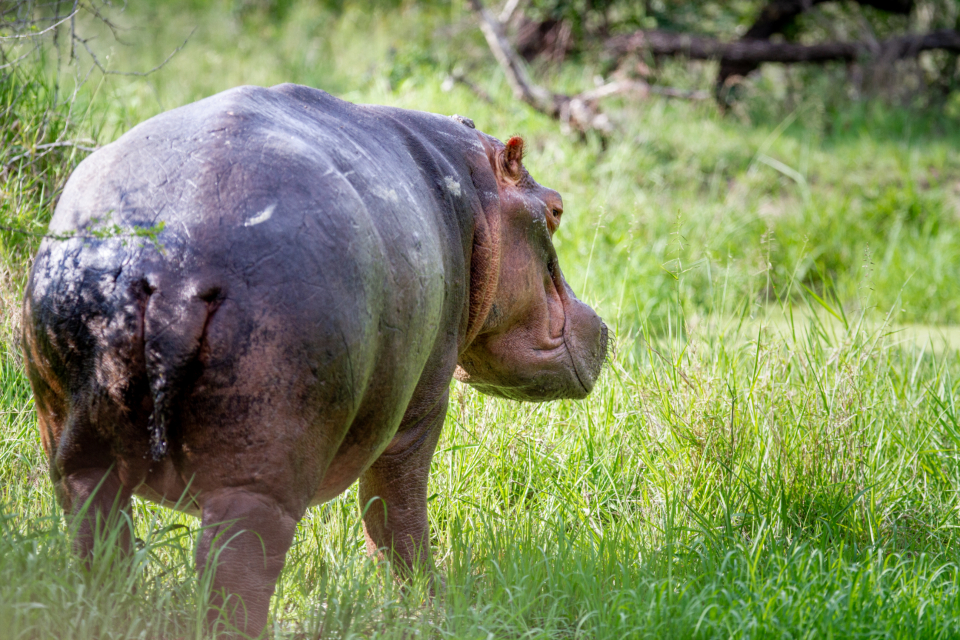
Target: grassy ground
[772, 451]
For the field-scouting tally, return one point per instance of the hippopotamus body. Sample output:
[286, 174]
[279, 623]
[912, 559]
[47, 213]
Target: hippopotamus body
[250, 302]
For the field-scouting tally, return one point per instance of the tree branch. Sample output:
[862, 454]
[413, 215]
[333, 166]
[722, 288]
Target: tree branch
[82, 145]
[33, 34]
[106, 71]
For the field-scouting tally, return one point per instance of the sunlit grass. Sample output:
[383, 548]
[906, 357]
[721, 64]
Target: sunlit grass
[731, 482]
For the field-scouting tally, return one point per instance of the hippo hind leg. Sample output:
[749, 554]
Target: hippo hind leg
[84, 357]
[244, 542]
[86, 482]
[97, 506]
[86, 472]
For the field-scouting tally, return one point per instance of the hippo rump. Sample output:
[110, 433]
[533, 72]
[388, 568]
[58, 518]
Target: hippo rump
[250, 302]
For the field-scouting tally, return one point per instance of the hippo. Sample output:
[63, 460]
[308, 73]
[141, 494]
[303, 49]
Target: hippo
[246, 304]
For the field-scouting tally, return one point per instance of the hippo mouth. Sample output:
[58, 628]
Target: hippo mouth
[548, 375]
[576, 371]
[556, 354]
[587, 360]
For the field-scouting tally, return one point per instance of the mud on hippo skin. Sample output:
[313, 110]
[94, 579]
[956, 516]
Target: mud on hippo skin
[323, 271]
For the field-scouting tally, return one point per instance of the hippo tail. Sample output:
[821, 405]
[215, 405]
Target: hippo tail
[174, 332]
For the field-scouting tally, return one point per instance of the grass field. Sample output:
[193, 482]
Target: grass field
[772, 452]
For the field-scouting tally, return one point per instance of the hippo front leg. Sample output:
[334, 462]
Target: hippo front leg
[393, 494]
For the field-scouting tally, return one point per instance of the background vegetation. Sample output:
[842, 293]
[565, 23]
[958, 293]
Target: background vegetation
[773, 449]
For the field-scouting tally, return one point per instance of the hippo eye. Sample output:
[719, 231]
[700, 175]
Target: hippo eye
[555, 212]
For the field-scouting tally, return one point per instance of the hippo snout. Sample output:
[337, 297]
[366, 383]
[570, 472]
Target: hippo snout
[586, 337]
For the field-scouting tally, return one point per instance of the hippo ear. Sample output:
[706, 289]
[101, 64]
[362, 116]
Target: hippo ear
[513, 157]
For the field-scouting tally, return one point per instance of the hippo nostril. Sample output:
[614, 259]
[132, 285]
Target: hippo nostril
[604, 343]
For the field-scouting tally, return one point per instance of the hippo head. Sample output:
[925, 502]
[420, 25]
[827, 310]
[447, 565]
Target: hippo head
[529, 337]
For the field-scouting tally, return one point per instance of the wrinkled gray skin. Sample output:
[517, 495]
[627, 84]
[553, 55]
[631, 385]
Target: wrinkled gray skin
[322, 269]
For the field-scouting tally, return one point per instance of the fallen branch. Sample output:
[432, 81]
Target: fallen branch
[641, 89]
[676, 44]
[579, 112]
[523, 87]
[680, 94]
[509, 9]
[574, 112]
[776, 16]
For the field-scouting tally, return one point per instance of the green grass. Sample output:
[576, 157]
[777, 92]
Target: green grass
[37, 153]
[772, 452]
